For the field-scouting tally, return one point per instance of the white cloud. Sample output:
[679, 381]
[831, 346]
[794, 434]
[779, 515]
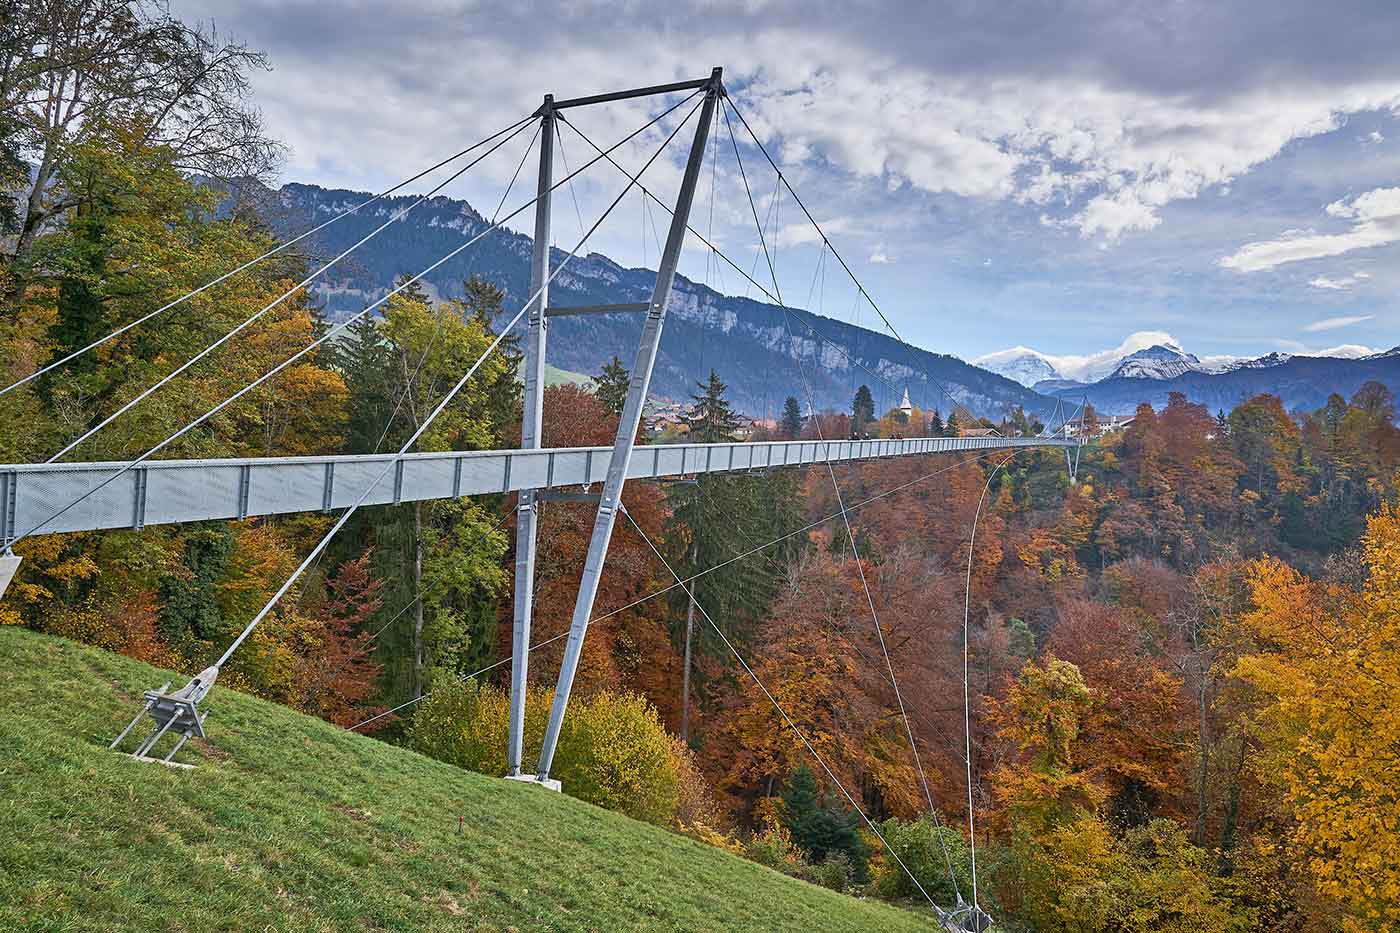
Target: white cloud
[1114, 157]
[1350, 351]
[1340, 282]
[1375, 218]
[879, 257]
[1099, 154]
[802, 231]
[1334, 323]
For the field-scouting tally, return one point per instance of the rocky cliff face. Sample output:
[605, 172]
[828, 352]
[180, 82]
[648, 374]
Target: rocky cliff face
[759, 351]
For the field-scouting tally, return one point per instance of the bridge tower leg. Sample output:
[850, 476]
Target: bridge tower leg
[526, 517]
[611, 500]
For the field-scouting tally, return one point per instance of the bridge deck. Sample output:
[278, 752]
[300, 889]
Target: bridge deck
[165, 491]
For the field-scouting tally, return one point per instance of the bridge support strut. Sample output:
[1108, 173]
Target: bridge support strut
[611, 501]
[526, 516]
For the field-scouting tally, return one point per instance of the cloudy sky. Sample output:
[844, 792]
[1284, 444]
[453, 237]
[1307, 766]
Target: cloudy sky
[1055, 174]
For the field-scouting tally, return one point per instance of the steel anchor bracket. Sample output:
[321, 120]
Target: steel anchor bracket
[178, 712]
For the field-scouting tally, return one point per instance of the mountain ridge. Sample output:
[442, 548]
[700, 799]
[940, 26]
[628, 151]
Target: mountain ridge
[763, 352]
[1302, 383]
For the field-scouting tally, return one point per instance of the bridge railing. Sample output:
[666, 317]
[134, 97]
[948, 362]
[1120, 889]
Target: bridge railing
[165, 491]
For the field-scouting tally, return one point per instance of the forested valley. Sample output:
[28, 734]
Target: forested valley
[1181, 667]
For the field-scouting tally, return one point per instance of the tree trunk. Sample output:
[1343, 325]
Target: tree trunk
[418, 599]
[1226, 864]
[685, 672]
[689, 638]
[33, 219]
[1202, 765]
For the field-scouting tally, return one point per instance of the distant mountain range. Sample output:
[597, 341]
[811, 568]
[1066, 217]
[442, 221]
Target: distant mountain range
[749, 343]
[1152, 373]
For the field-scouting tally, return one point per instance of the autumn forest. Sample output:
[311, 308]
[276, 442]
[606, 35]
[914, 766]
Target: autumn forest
[1184, 710]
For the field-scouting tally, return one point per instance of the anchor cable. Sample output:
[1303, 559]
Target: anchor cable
[442, 405]
[332, 332]
[252, 262]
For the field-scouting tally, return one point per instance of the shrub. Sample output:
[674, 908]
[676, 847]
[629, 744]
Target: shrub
[698, 815]
[835, 873]
[774, 848]
[920, 846]
[1081, 876]
[696, 803]
[613, 750]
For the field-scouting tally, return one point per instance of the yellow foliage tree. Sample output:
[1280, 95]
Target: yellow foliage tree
[1082, 878]
[1327, 673]
[1041, 715]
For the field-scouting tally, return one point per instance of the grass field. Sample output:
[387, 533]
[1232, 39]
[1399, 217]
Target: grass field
[289, 823]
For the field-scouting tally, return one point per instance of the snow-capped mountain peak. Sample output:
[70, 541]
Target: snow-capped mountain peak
[1262, 362]
[1159, 361]
[1020, 364]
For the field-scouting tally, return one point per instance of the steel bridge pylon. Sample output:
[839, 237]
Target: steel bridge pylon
[610, 499]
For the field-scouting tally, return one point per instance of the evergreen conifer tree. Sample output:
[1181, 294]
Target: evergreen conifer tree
[791, 424]
[364, 362]
[819, 827]
[862, 410]
[713, 519]
[611, 386]
[711, 419]
[935, 425]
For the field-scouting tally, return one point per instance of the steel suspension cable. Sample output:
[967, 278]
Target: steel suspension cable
[437, 327]
[252, 262]
[441, 406]
[564, 158]
[967, 700]
[693, 577]
[850, 533]
[129, 465]
[412, 379]
[183, 367]
[832, 627]
[736, 267]
[788, 719]
[860, 288]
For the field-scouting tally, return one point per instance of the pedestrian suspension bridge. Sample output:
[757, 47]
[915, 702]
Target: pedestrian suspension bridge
[72, 496]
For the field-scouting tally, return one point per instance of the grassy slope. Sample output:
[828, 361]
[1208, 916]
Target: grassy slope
[554, 376]
[291, 824]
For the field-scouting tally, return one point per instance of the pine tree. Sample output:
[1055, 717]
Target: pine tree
[818, 828]
[419, 350]
[482, 302]
[711, 419]
[862, 410]
[791, 424]
[954, 427]
[364, 362]
[716, 518]
[799, 799]
[611, 386]
[935, 425]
